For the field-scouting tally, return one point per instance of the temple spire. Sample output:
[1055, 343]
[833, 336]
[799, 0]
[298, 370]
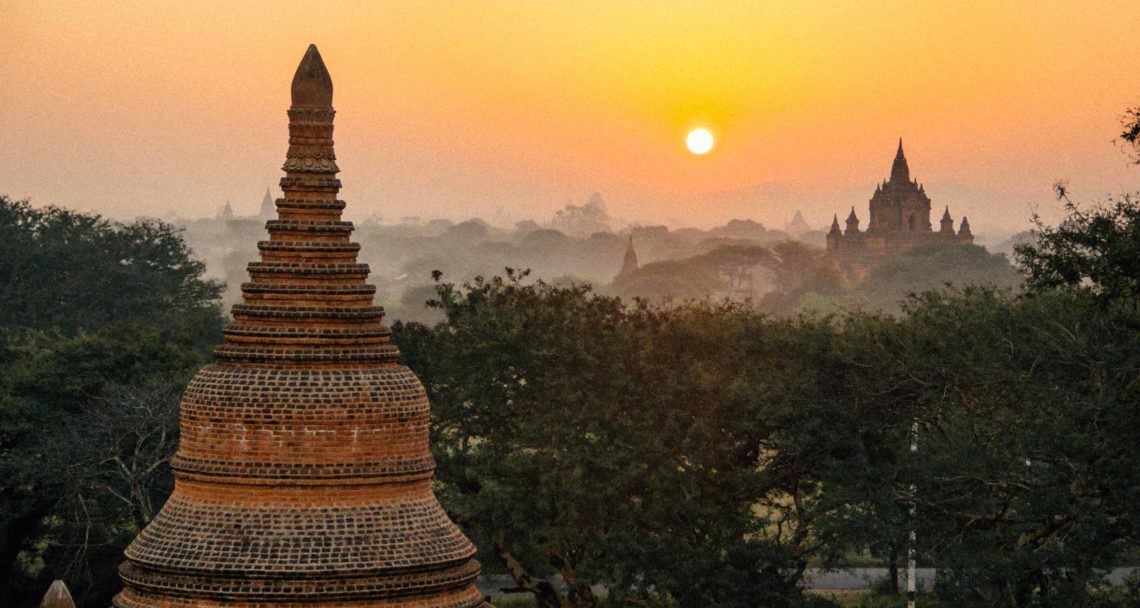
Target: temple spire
[899, 171]
[852, 223]
[629, 263]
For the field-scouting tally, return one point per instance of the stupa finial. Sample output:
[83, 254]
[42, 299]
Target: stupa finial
[312, 85]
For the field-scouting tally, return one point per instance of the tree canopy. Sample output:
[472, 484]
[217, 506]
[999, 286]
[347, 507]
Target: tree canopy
[100, 323]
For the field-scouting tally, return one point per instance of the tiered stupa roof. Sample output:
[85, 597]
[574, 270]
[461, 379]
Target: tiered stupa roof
[303, 476]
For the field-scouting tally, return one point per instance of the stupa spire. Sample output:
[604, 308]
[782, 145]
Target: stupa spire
[303, 472]
[629, 262]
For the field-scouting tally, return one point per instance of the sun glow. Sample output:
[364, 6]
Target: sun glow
[700, 141]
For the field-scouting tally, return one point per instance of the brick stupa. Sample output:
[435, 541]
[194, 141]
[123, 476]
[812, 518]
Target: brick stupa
[303, 476]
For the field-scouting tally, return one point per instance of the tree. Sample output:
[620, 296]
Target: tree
[70, 271]
[632, 446]
[583, 220]
[1026, 477]
[727, 271]
[1095, 249]
[112, 463]
[89, 306]
[932, 267]
[801, 273]
[1131, 133]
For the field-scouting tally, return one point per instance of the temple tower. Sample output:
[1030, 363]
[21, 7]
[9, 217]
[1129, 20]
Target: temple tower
[964, 234]
[629, 263]
[899, 204]
[834, 234]
[303, 475]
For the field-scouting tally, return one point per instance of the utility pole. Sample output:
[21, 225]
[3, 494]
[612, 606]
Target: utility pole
[910, 569]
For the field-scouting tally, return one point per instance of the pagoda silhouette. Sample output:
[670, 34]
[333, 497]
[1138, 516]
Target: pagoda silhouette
[303, 474]
[629, 262]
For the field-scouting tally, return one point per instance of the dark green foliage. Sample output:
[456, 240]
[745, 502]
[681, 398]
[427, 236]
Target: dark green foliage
[1130, 134]
[101, 323]
[1095, 249]
[67, 271]
[681, 451]
[1026, 473]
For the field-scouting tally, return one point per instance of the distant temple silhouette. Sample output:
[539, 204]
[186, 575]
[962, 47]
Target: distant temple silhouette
[629, 264]
[900, 220]
[798, 225]
[268, 208]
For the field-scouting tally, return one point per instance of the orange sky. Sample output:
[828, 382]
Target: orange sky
[455, 109]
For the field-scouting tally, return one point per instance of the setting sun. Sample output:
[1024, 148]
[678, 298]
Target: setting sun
[700, 141]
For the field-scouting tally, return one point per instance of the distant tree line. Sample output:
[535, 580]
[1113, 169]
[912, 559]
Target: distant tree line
[691, 453]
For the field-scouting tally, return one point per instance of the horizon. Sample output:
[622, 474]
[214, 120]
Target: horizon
[456, 112]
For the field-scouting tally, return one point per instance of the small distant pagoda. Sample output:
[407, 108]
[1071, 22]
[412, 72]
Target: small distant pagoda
[798, 226]
[629, 264]
[900, 220]
[303, 474]
[268, 209]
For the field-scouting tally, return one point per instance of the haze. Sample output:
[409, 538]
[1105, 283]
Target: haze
[510, 110]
